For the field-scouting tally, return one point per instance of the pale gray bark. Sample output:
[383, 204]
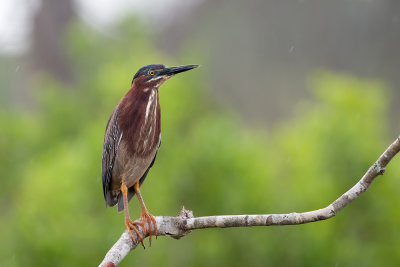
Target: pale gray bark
[181, 225]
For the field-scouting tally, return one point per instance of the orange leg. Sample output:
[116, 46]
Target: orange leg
[130, 225]
[145, 215]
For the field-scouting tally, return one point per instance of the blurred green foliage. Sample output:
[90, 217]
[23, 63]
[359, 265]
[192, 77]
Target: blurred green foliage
[51, 200]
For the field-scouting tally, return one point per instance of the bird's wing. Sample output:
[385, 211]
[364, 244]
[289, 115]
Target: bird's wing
[112, 138]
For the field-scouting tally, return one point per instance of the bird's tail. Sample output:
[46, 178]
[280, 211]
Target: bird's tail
[111, 198]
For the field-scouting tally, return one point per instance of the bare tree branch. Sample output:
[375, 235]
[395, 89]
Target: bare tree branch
[182, 225]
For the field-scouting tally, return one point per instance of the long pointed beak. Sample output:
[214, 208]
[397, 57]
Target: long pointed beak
[175, 70]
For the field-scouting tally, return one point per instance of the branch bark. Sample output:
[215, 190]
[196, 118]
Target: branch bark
[182, 225]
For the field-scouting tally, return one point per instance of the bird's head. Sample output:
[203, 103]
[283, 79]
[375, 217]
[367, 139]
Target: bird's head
[155, 75]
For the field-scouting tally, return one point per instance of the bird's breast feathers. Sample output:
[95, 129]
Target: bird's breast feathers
[142, 132]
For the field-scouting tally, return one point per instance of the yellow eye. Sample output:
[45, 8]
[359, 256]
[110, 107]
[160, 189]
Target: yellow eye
[152, 72]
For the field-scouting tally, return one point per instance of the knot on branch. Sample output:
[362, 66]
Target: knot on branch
[178, 227]
[378, 169]
[185, 214]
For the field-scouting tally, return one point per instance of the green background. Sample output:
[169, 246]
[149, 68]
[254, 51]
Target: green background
[211, 161]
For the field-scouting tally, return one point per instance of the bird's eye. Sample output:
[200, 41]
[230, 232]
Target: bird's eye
[152, 72]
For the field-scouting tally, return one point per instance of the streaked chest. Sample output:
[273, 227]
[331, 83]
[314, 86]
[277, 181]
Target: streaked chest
[142, 122]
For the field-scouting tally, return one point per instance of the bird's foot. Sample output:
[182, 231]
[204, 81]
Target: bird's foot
[131, 225]
[148, 219]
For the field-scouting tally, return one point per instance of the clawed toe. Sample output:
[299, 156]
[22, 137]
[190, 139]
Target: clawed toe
[148, 219]
[131, 225]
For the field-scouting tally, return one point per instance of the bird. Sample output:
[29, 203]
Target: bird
[131, 141]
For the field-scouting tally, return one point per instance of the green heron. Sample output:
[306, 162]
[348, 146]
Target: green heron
[131, 142]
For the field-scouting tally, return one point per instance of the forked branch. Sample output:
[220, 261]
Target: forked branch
[182, 225]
